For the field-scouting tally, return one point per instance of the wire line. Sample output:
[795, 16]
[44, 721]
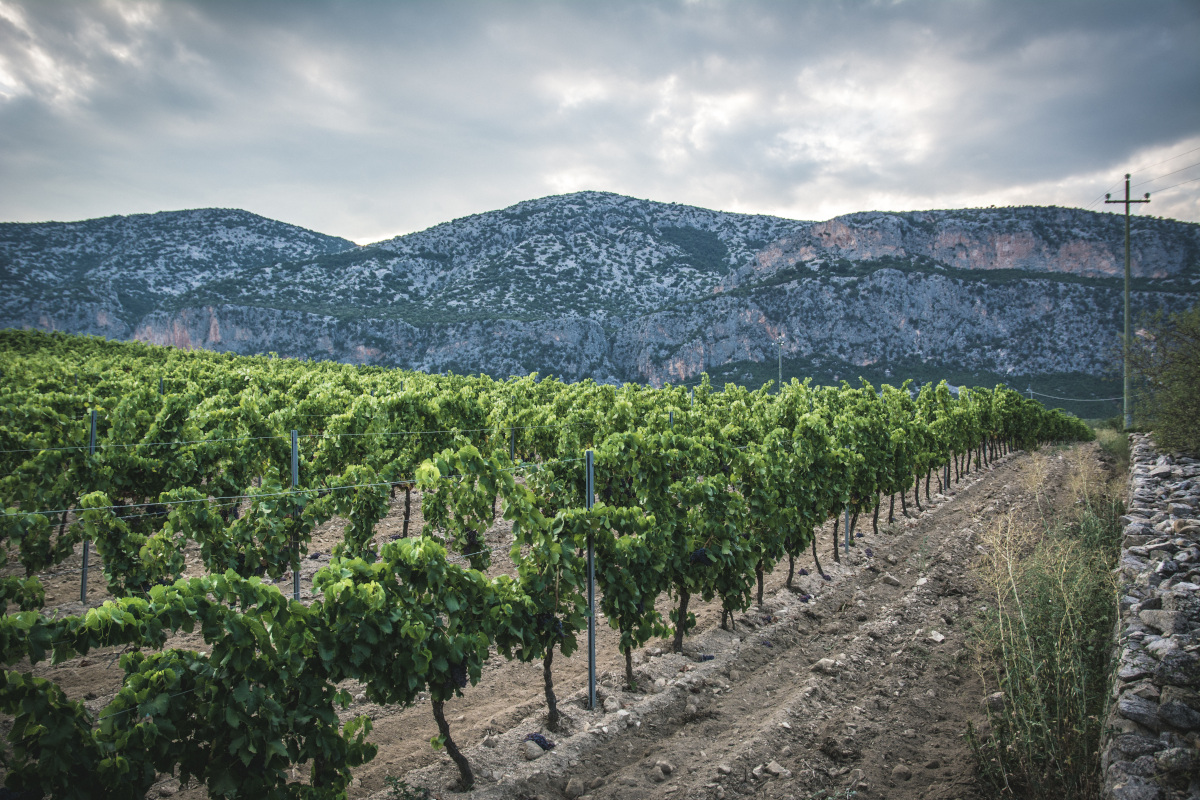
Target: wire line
[1165, 174]
[1181, 183]
[1079, 399]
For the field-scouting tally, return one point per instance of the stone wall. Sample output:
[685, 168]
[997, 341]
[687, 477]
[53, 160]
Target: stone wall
[1151, 749]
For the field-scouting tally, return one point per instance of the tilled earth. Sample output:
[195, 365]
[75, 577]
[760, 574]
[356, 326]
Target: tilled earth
[867, 688]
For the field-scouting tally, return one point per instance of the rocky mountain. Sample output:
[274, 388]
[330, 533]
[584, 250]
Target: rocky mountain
[105, 274]
[615, 288]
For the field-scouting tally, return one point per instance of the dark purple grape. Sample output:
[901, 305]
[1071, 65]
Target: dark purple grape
[702, 557]
[869, 553]
[803, 571]
[826, 577]
[458, 674]
[548, 624]
[858, 536]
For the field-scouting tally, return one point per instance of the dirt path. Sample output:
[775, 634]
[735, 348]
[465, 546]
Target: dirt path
[866, 687]
[869, 687]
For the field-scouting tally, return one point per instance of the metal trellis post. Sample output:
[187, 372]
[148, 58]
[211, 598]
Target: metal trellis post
[847, 530]
[589, 490]
[87, 543]
[295, 484]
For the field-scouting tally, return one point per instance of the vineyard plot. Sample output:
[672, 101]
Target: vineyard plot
[200, 511]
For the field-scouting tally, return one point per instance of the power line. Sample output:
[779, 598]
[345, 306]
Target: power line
[1165, 160]
[1181, 183]
[1165, 174]
[1078, 399]
[1139, 169]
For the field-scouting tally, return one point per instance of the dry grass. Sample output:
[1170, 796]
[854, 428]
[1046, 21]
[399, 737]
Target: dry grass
[1044, 640]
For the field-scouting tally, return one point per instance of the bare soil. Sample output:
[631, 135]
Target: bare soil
[755, 712]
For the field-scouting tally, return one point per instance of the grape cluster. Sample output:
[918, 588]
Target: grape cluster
[702, 557]
[550, 624]
[458, 674]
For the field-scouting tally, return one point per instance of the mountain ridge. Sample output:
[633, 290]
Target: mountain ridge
[594, 284]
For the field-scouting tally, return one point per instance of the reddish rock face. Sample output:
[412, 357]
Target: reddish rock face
[1030, 239]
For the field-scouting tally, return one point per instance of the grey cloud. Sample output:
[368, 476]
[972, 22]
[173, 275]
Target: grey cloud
[366, 119]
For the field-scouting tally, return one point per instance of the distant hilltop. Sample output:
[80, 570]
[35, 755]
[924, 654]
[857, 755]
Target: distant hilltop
[609, 287]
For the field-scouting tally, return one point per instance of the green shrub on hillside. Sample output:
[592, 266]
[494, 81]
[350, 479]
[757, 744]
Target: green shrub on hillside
[1166, 356]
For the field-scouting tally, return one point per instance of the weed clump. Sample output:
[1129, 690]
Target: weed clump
[1043, 644]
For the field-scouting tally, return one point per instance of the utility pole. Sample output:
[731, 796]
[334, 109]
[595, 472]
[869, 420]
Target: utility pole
[779, 348]
[1128, 340]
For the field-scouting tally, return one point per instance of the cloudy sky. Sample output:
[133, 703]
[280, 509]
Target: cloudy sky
[369, 119]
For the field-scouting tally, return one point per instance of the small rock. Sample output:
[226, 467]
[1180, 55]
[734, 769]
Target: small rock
[612, 704]
[1178, 715]
[533, 752]
[1177, 760]
[826, 666]
[1143, 712]
[890, 579]
[575, 788]
[735, 675]
[666, 767]
[856, 777]
[1163, 621]
[936, 637]
[491, 741]
[778, 770]
[994, 702]
[901, 772]
[657, 775]
[724, 769]
[595, 784]
[660, 684]
[933, 764]
[922, 581]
